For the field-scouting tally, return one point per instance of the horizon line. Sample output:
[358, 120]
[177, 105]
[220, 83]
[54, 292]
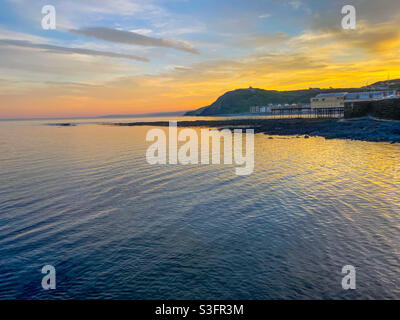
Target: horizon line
[186, 110]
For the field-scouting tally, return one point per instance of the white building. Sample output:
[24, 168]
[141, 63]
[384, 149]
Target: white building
[260, 109]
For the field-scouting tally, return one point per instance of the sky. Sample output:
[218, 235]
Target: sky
[142, 56]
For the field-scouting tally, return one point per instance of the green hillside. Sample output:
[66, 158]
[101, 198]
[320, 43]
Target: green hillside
[240, 101]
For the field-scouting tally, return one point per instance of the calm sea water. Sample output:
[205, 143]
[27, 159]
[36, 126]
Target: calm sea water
[84, 200]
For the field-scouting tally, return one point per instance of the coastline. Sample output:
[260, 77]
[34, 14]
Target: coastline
[363, 129]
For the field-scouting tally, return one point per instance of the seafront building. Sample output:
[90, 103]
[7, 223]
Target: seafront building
[339, 99]
[326, 104]
[372, 95]
[270, 107]
[261, 109]
[329, 100]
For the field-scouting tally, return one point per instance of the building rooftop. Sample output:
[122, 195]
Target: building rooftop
[370, 94]
[334, 94]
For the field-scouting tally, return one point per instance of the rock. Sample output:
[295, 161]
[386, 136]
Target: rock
[66, 124]
[364, 130]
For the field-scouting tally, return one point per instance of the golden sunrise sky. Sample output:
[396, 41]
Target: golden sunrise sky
[142, 56]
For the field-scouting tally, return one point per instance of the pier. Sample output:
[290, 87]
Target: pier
[307, 112]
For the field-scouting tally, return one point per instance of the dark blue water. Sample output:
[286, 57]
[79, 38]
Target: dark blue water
[84, 200]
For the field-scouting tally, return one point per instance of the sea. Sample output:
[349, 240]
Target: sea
[84, 200]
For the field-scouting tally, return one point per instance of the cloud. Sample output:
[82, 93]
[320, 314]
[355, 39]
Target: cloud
[43, 65]
[182, 68]
[378, 39]
[87, 12]
[142, 31]
[265, 16]
[67, 50]
[295, 4]
[8, 34]
[127, 37]
[372, 11]
[381, 38]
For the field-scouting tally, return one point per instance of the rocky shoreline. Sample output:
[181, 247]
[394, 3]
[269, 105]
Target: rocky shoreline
[365, 129]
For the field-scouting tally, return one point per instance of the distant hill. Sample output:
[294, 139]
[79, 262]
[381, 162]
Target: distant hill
[384, 85]
[240, 100]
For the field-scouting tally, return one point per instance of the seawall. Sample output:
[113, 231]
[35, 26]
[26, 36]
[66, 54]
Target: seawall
[383, 109]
